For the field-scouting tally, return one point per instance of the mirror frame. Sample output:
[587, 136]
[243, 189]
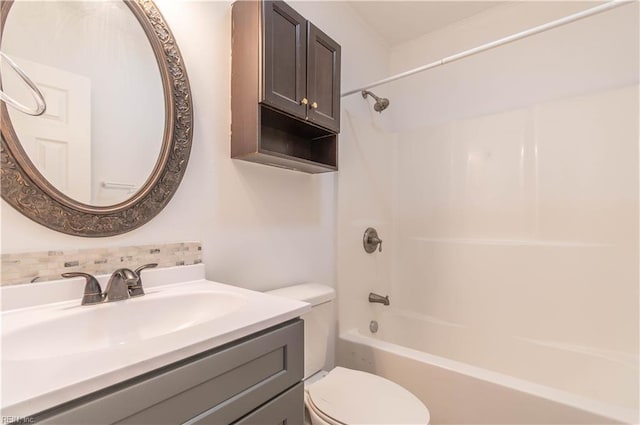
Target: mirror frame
[24, 187]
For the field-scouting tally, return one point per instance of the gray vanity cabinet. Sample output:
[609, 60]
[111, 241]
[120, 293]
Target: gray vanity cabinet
[256, 380]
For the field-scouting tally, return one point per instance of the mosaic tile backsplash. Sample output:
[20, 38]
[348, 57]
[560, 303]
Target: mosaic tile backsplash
[49, 265]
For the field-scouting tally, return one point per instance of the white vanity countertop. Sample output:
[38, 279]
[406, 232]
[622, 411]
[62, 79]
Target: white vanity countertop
[35, 378]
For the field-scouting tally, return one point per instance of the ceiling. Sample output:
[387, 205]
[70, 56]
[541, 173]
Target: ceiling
[398, 21]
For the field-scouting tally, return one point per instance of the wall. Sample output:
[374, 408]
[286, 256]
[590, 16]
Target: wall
[566, 61]
[370, 186]
[365, 178]
[516, 194]
[260, 227]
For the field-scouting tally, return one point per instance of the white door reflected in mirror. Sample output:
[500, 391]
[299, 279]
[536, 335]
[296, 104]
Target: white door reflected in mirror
[59, 141]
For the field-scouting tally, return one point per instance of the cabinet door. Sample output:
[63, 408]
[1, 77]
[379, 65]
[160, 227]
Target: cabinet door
[285, 56]
[323, 79]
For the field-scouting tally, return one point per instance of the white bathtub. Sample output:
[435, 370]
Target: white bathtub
[464, 380]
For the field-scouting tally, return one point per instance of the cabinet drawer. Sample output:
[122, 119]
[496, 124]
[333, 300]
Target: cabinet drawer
[286, 409]
[226, 383]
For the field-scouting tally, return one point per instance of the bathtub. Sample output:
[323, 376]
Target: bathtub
[446, 366]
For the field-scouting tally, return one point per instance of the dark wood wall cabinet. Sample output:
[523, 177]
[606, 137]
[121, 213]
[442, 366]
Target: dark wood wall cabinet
[285, 89]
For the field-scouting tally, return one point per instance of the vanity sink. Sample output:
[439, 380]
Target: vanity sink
[55, 350]
[62, 329]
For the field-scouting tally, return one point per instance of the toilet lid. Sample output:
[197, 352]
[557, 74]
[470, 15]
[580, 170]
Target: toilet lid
[355, 397]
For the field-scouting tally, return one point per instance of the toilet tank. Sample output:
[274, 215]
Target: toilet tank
[317, 323]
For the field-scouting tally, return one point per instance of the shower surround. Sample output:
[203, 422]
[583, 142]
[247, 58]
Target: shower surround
[505, 188]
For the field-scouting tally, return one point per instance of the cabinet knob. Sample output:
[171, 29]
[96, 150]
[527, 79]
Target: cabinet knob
[314, 105]
[304, 101]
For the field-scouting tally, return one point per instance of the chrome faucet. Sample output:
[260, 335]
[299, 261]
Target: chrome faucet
[119, 283]
[123, 284]
[375, 298]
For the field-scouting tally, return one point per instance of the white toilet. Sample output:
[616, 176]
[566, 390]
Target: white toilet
[345, 396]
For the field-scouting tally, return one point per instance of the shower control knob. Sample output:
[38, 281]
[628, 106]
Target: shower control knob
[304, 101]
[314, 105]
[371, 241]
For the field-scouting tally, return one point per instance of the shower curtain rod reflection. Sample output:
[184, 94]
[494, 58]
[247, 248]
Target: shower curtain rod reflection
[502, 41]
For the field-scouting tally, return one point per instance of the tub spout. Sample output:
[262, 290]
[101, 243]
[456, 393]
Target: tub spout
[375, 298]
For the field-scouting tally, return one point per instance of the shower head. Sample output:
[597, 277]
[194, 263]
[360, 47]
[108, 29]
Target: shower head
[381, 104]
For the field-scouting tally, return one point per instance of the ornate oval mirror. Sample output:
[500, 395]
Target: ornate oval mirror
[113, 144]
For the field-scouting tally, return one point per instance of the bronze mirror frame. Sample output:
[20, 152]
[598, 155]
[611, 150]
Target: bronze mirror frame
[24, 187]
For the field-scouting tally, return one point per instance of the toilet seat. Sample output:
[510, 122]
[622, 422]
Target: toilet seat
[316, 416]
[347, 396]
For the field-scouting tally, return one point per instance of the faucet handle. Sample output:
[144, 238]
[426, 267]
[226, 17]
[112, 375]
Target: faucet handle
[136, 290]
[146, 266]
[92, 290]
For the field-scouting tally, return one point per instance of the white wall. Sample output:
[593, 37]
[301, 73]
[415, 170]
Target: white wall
[363, 181]
[261, 227]
[516, 199]
[365, 178]
[577, 58]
